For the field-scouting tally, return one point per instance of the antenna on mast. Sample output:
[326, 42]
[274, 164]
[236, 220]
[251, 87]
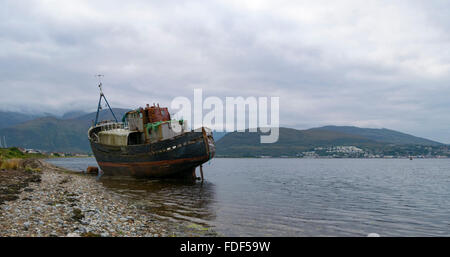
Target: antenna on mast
[99, 76]
[99, 107]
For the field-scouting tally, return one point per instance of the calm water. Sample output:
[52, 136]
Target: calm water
[301, 197]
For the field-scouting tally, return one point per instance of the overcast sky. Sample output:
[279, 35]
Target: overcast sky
[364, 63]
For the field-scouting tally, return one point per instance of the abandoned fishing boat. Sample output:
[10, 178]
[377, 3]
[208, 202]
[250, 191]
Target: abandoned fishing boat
[148, 143]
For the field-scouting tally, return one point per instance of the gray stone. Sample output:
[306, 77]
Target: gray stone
[26, 225]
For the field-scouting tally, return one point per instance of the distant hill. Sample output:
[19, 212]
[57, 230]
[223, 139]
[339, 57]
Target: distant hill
[69, 134]
[49, 134]
[73, 114]
[9, 119]
[380, 135]
[292, 142]
[54, 134]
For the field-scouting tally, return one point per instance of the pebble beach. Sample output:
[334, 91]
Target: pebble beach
[56, 202]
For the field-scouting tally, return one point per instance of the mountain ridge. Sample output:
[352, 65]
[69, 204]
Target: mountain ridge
[8, 119]
[294, 142]
[68, 134]
[381, 135]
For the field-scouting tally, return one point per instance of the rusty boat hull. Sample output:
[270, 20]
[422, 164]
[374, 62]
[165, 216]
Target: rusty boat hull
[171, 158]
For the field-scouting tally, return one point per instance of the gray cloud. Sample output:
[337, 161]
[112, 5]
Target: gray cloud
[371, 63]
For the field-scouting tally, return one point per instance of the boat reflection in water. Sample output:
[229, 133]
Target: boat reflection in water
[177, 202]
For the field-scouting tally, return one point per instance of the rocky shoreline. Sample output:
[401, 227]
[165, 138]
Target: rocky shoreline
[51, 201]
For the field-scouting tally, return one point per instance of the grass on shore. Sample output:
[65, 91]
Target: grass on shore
[9, 164]
[15, 153]
[10, 158]
[16, 164]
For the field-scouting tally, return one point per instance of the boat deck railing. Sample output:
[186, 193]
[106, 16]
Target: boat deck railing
[111, 125]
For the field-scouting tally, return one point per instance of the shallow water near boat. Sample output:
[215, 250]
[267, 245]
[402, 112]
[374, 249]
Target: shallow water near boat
[299, 197]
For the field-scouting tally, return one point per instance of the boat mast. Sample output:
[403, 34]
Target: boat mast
[100, 100]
